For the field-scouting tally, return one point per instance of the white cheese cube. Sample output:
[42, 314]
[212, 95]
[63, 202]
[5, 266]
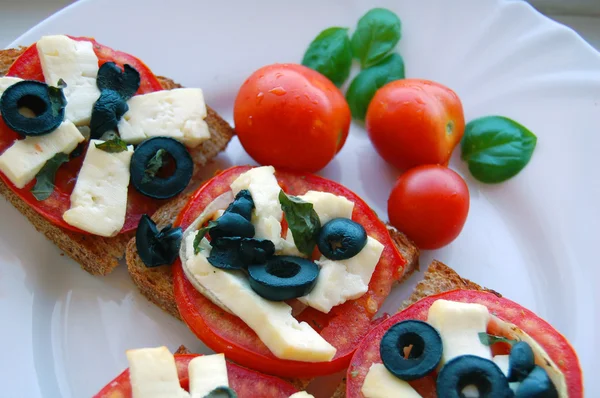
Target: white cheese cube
[380, 383]
[206, 373]
[459, 325]
[301, 394]
[99, 199]
[25, 158]
[329, 206]
[77, 64]
[267, 214]
[6, 82]
[272, 321]
[343, 280]
[153, 374]
[177, 113]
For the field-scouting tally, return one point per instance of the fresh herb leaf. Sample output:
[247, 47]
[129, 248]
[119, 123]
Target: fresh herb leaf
[302, 220]
[57, 98]
[200, 235]
[367, 82]
[221, 392]
[496, 148]
[153, 166]
[330, 53]
[124, 81]
[490, 339]
[115, 145]
[377, 32]
[44, 180]
[106, 113]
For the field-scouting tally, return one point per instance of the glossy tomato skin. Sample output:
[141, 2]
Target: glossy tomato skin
[413, 122]
[429, 204]
[290, 116]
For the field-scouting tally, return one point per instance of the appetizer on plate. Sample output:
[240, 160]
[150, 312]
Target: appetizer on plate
[79, 121]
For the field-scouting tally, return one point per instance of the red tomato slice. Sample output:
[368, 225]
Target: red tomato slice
[343, 327]
[245, 382]
[555, 344]
[28, 66]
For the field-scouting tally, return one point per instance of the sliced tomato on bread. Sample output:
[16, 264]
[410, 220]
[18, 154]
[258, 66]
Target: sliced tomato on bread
[28, 66]
[245, 382]
[343, 327]
[552, 342]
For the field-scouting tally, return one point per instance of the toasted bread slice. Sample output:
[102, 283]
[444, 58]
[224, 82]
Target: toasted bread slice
[439, 278]
[98, 255]
[157, 283]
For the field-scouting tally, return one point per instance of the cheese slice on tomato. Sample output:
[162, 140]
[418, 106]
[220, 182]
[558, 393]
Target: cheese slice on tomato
[329, 206]
[153, 374]
[25, 158]
[301, 394]
[343, 280]
[380, 383]
[272, 321]
[459, 325]
[6, 82]
[99, 199]
[267, 214]
[76, 63]
[206, 373]
[177, 113]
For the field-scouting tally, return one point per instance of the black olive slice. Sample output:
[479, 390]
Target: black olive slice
[46, 103]
[161, 187]
[520, 361]
[238, 253]
[232, 225]
[283, 277]
[537, 385]
[341, 238]
[468, 370]
[157, 247]
[425, 353]
[226, 255]
[256, 251]
[242, 205]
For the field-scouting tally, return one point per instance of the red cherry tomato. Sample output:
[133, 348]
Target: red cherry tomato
[290, 116]
[429, 204]
[413, 122]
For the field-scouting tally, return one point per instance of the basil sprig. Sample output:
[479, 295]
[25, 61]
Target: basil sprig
[330, 54]
[302, 220]
[490, 339]
[201, 234]
[44, 179]
[496, 148]
[57, 98]
[114, 145]
[366, 83]
[377, 33]
[154, 165]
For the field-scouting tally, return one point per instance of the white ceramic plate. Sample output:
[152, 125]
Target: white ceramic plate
[533, 238]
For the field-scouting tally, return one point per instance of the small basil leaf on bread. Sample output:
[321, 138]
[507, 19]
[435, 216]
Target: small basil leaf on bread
[200, 235]
[302, 220]
[44, 179]
[154, 165]
[115, 145]
[490, 339]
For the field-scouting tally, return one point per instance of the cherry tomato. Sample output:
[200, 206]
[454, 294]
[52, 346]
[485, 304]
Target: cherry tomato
[290, 116]
[413, 122]
[429, 204]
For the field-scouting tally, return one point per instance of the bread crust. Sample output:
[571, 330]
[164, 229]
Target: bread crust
[98, 255]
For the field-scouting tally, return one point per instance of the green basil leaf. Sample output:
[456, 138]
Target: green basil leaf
[330, 54]
[153, 166]
[44, 179]
[377, 33]
[367, 82]
[221, 392]
[58, 101]
[496, 148]
[490, 339]
[302, 220]
[115, 145]
[201, 234]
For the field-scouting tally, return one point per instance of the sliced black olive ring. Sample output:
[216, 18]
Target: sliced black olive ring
[158, 187]
[425, 353]
[283, 277]
[34, 96]
[467, 370]
[341, 238]
[234, 253]
[157, 247]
